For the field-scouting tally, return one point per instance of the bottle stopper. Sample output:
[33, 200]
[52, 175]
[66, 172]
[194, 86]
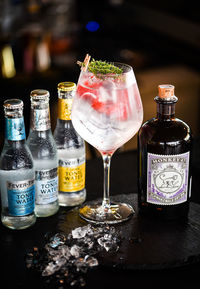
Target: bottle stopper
[165, 91]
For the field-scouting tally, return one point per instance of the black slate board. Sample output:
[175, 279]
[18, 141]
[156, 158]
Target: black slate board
[147, 243]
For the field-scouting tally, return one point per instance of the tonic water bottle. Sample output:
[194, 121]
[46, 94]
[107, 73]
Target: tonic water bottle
[71, 150]
[165, 147]
[44, 152]
[16, 171]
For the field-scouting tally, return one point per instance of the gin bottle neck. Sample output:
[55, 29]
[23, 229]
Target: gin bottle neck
[165, 108]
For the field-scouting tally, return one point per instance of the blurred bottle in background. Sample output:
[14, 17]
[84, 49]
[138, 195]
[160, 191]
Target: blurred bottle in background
[39, 34]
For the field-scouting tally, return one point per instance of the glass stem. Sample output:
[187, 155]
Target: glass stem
[106, 194]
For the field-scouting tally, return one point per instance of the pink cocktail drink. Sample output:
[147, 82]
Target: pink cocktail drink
[105, 112]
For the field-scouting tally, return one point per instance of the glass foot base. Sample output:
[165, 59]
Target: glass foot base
[115, 213]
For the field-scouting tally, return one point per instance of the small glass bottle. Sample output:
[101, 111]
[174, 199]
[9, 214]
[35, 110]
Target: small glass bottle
[17, 174]
[165, 147]
[71, 150]
[44, 152]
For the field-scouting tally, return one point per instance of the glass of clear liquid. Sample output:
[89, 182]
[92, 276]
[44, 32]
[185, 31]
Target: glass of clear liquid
[107, 112]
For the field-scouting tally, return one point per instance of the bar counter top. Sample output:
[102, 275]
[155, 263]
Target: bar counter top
[126, 267]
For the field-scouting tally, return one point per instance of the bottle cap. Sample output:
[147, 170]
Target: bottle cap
[13, 104]
[38, 94]
[166, 91]
[66, 86]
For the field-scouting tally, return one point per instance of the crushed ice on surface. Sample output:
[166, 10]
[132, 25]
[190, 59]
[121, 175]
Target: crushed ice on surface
[67, 258]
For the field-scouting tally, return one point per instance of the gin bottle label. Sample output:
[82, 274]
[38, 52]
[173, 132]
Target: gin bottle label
[46, 182]
[72, 174]
[21, 197]
[15, 130]
[167, 178]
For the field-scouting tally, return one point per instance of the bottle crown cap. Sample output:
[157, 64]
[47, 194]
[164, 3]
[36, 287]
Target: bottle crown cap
[66, 86]
[38, 94]
[165, 91]
[13, 103]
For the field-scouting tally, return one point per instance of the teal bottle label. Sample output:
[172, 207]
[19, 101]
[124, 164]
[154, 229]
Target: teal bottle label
[15, 129]
[21, 197]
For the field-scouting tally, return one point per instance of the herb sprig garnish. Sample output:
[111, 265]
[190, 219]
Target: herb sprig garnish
[99, 67]
[102, 67]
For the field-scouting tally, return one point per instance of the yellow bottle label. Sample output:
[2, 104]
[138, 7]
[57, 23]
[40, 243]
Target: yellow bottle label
[65, 108]
[71, 175]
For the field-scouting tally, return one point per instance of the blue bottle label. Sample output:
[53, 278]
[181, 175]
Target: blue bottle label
[15, 129]
[21, 197]
[46, 186]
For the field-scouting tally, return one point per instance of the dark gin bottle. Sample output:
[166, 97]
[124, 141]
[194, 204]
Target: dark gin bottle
[164, 161]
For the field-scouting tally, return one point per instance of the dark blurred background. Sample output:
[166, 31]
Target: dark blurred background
[41, 40]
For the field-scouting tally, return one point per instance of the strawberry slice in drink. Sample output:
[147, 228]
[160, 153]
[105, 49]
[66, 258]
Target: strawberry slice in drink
[98, 105]
[119, 109]
[88, 90]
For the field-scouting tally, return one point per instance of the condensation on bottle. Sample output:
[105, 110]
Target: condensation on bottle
[43, 148]
[17, 176]
[71, 150]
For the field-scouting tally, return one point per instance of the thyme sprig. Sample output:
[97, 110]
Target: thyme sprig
[103, 67]
[99, 67]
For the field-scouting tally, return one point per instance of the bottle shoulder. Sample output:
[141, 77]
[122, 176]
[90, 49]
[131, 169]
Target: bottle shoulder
[167, 131]
[165, 137]
[165, 123]
[66, 136]
[42, 144]
[16, 157]
[44, 136]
